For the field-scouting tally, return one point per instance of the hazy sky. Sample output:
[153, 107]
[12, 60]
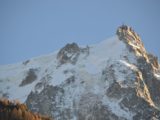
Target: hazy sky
[30, 28]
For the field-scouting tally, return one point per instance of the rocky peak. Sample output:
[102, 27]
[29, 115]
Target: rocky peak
[69, 53]
[134, 44]
[132, 40]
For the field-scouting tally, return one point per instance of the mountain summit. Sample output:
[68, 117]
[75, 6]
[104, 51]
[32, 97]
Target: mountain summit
[113, 80]
[132, 39]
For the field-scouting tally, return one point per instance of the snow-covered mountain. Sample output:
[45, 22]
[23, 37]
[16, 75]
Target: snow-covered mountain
[113, 80]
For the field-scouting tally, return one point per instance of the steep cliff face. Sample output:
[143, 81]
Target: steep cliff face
[146, 63]
[113, 80]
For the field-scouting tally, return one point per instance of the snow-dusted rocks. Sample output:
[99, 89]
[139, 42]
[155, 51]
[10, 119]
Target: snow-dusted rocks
[70, 53]
[113, 80]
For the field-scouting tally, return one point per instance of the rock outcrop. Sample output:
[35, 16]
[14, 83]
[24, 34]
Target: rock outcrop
[70, 53]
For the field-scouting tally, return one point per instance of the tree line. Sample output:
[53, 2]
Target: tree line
[14, 110]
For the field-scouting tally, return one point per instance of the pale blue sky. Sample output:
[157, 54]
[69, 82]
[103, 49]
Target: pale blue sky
[30, 28]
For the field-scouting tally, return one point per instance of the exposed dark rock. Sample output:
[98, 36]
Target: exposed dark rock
[31, 77]
[151, 81]
[70, 53]
[26, 62]
[85, 50]
[70, 80]
[91, 108]
[116, 91]
[44, 101]
[140, 107]
[109, 74]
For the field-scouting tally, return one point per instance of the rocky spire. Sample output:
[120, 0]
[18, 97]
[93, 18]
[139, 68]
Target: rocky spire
[134, 44]
[146, 63]
[132, 40]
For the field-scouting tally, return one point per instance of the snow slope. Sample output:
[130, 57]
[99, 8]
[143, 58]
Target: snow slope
[12, 75]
